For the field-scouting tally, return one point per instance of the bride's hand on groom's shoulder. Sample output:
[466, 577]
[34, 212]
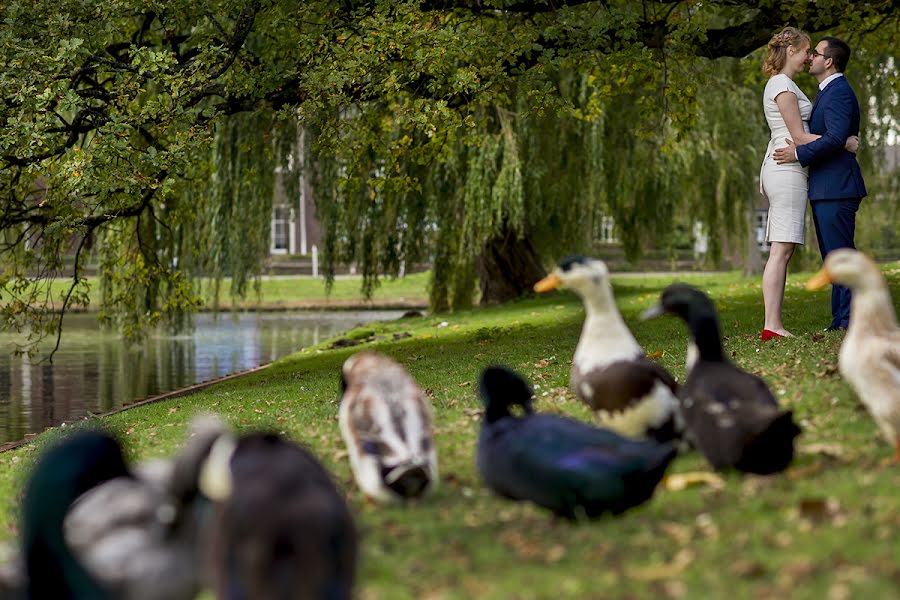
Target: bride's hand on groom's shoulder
[788, 154]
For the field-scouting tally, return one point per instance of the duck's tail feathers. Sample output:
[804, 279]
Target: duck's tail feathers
[500, 388]
[408, 480]
[771, 450]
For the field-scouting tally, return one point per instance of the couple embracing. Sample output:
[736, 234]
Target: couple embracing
[811, 154]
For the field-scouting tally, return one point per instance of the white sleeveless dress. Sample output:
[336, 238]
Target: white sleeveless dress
[785, 186]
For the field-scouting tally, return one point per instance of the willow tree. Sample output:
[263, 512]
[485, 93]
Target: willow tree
[147, 134]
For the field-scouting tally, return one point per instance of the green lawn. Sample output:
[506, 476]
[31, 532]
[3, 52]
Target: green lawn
[291, 292]
[824, 529]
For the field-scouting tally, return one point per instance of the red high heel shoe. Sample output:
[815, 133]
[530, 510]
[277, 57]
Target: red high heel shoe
[768, 334]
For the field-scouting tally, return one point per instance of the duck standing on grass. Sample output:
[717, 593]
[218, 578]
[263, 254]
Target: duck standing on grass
[138, 534]
[385, 419]
[282, 530]
[870, 353]
[70, 468]
[143, 535]
[630, 393]
[730, 415]
[569, 467]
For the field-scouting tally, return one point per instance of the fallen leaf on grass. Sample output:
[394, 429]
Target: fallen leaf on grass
[748, 569]
[668, 570]
[473, 413]
[833, 451]
[681, 481]
[818, 509]
[657, 354]
[678, 532]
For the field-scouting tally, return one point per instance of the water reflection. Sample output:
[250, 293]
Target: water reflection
[94, 371]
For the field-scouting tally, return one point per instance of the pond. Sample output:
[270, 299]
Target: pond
[95, 371]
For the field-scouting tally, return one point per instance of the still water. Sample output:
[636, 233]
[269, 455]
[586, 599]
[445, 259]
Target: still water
[95, 372]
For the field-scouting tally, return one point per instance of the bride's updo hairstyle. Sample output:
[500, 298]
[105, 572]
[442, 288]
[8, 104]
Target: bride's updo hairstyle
[778, 47]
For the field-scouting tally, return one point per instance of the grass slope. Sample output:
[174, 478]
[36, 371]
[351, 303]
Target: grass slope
[825, 529]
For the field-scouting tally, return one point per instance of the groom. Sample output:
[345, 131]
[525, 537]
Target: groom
[835, 182]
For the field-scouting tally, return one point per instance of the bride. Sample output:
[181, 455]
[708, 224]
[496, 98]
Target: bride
[787, 111]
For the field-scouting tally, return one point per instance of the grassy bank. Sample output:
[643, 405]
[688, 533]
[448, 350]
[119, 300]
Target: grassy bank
[825, 529]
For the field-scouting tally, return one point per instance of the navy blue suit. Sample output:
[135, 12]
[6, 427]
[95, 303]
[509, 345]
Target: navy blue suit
[836, 185]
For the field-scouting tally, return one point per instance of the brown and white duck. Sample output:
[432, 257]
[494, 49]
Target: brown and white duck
[630, 393]
[870, 353]
[386, 422]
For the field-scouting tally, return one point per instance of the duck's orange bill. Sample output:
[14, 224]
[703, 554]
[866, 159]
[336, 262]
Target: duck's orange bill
[818, 281]
[550, 282]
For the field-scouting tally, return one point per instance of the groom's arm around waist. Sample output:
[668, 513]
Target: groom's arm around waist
[838, 115]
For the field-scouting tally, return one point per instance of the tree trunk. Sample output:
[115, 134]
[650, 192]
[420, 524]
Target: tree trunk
[507, 268]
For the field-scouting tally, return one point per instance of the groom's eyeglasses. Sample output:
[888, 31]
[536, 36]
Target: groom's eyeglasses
[814, 53]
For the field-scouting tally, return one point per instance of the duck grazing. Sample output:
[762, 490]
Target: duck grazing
[629, 393]
[730, 415]
[569, 467]
[386, 422]
[870, 353]
[282, 529]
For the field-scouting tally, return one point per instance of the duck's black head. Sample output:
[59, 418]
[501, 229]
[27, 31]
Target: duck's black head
[697, 310]
[499, 389]
[73, 466]
[566, 264]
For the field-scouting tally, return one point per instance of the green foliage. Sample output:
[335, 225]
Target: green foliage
[148, 136]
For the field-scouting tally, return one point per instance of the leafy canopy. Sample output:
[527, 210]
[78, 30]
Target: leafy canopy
[148, 135]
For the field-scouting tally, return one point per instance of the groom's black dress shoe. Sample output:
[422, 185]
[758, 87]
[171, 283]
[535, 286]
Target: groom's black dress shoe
[833, 328]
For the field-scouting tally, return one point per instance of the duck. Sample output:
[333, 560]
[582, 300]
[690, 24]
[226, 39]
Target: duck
[571, 468]
[68, 469]
[137, 534]
[730, 415]
[386, 422]
[282, 530]
[628, 392]
[143, 535]
[869, 358]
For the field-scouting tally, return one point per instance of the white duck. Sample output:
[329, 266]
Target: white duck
[386, 422]
[870, 353]
[629, 393]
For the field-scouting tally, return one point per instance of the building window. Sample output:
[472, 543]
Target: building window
[280, 229]
[762, 216]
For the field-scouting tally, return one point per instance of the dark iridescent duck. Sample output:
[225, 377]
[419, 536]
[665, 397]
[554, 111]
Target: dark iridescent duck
[569, 467]
[283, 531]
[628, 392]
[730, 415]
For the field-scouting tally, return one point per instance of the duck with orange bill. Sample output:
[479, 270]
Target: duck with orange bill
[628, 392]
[869, 358]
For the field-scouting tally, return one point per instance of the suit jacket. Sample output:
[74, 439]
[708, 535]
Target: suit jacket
[833, 171]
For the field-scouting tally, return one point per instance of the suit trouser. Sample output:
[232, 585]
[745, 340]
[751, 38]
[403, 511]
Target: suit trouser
[835, 222]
